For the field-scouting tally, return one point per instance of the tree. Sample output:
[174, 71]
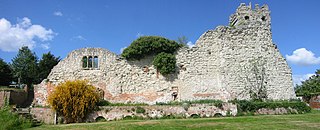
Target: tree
[24, 66]
[47, 62]
[5, 73]
[183, 40]
[310, 87]
[74, 100]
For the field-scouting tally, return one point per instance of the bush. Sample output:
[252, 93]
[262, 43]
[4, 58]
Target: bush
[12, 121]
[147, 45]
[140, 110]
[74, 100]
[103, 103]
[153, 45]
[165, 63]
[217, 103]
[246, 106]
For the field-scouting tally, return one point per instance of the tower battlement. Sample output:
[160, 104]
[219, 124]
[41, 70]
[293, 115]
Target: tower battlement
[245, 16]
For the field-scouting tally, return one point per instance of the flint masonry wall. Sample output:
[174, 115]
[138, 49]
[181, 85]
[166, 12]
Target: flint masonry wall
[225, 64]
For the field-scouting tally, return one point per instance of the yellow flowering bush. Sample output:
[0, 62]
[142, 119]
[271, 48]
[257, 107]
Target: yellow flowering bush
[74, 100]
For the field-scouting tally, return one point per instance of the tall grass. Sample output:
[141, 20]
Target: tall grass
[12, 121]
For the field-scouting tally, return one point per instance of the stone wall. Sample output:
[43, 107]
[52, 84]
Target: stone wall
[17, 98]
[199, 110]
[4, 96]
[226, 63]
[45, 115]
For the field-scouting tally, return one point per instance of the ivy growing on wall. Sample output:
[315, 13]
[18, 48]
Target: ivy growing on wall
[163, 48]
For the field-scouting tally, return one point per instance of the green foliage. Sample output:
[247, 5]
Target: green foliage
[153, 45]
[24, 66]
[217, 103]
[147, 45]
[103, 103]
[310, 87]
[5, 73]
[107, 103]
[47, 62]
[134, 117]
[140, 110]
[74, 100]
[183, 40]
[12, 121]
[165, 63]
[246, 106]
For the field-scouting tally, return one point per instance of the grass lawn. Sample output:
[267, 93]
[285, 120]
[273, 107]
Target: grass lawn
[309, 121]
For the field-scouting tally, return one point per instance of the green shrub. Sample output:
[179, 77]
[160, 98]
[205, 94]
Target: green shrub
[217, 103]
[153, 45]
[165, 63]
[147, 45]
[128, 104]
[140, 110]
[248, 106]
[12, 121]
[103, 103]
[134, 117]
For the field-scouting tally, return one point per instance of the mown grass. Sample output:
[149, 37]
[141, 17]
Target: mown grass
[309, 121]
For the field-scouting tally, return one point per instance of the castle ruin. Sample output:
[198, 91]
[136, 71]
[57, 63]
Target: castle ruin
[238, 61]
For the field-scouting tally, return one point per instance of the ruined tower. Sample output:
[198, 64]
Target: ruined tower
[238, 61]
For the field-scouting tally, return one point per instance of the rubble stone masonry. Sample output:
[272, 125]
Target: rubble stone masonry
[226, 63]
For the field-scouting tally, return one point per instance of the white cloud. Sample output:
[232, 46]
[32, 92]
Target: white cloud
[297, 79]
[121, 49]
[45, 46]
[190, 44]
[57, 13]
[79, 37]
[21, 34]
[303, 57]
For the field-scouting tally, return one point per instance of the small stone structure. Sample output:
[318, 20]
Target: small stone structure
[45, 115]
[229, 62]
[13, 97]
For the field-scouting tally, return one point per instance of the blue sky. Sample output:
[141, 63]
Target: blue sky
[61, 26]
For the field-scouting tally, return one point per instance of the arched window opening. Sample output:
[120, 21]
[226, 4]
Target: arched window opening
[95, 62]
[246, 17]
[263, 18]
[90, 60]
[84, 62]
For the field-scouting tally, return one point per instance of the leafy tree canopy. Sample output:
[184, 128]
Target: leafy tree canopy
[47, 62]
[147, 45]
[24, 66]
[5, 73]
[310, 87]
